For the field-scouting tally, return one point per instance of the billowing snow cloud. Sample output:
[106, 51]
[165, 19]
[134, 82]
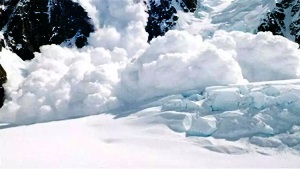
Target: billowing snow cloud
[263, 56]
[175, 63]
[60, 83]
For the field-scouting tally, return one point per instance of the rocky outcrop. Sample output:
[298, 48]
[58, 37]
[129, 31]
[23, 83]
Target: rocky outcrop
[284, 20]
[163, 15]
[29, 24]
[3, 79]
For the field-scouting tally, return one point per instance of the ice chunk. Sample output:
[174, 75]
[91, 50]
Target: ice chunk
[223, 99]
[235, 124]
[196, 97]
[202, 126]
[271, 91]
[289, 139]
[179, 122]
[259, 99]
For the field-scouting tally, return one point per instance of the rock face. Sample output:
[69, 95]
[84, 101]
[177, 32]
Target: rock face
[284, 20]
[3, 79]
[163, 15]
[29, 24]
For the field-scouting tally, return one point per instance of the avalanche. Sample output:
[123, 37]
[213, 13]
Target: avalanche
[229, 93]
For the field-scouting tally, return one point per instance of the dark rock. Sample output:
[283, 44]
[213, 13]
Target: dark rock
[1, 44]
[188, 5]
[31, 24]
[163, 15]
[284, 20]
[3, 78]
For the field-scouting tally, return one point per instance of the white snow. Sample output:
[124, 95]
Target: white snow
[243, 15]
[175, 63]
[181, 95]
[104, 142]
[14, 71]
[228, 15]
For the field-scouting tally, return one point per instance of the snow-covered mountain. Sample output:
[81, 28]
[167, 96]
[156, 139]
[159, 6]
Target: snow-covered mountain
[283, 20]
[27, 25]
[192, 80]
[163, 15]
[279, 17]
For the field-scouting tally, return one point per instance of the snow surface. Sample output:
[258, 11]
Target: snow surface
[180, 95]
[104, 142]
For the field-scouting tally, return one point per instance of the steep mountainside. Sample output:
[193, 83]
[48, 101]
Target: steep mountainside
[27, 25]
[284, 20]
[279, 17]
[163, 15]
[3, 78]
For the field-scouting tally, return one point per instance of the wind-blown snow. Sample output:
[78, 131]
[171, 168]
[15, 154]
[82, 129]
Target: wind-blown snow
[120, 70]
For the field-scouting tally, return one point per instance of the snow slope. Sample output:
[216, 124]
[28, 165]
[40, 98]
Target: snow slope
[254, 125]
[104, 142]
[181, 95]
[229, 15]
